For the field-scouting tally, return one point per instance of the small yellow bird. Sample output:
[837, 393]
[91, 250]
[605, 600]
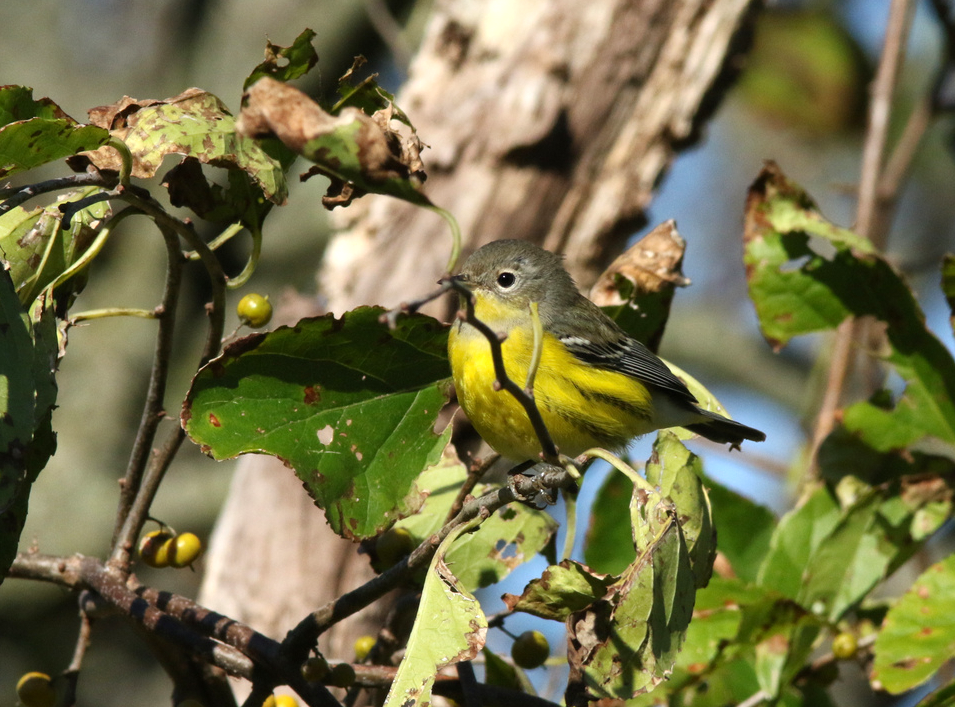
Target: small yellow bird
[595, 386]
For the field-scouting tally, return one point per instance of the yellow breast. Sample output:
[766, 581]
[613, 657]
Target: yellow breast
[582, 406]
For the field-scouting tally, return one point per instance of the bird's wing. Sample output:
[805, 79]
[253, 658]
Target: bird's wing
[628, 356]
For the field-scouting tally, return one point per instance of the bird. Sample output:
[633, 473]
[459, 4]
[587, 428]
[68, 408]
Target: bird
[595, 386]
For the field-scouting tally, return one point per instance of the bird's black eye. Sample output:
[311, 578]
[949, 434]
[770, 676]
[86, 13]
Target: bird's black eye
[506, 279]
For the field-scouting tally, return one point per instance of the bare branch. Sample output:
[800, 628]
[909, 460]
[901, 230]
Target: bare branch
[14, 196]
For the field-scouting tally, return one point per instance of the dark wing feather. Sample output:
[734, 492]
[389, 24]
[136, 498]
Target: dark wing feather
[628, 356]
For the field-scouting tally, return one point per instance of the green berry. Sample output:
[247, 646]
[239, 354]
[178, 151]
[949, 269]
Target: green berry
[315, 668]
[844, 646]
[36, 690]
[254, 310]
[392, 545]
[363, 646]
[341, 675]
[154, 548]
[184, 549]
[530, 650]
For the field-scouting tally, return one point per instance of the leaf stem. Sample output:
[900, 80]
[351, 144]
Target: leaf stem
[126, 166]
[455, 236]
[105, 312]
[537, 350]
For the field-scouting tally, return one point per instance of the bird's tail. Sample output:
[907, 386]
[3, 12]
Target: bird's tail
[722, 430]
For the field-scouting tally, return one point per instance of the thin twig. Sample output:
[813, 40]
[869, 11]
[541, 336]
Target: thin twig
[125, 530]
[72, 673]
[304, 636]
[217, 278]
[503, 382]
[391, 316]
[389, 30]
[871, 219]
[237, 649]
[475, 473]
[14, 196]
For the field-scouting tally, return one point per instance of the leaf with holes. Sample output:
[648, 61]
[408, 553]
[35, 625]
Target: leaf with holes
[806, 275]
[348, 403]
[507, 539]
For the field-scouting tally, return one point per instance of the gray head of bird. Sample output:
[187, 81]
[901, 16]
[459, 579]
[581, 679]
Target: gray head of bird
[519, 273]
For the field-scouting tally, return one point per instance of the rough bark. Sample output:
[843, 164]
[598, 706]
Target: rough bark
[549, 120]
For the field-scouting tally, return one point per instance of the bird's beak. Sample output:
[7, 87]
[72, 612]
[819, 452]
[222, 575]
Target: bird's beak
[458, 282]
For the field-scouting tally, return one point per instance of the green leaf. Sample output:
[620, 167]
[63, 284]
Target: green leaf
[807, 275]
[500, 673]
[33, 133]
[30, 143]
[796, 538]
[677, 472]
[943, 697]
[36, 246]
[347, 403]
[743, 528]
[450, 627]
[367, 96]
[829, 558]
[918, 635]
[608, 546]
[28, 354]
[504, 541]
[948, 285]
[17, 104]
[193, 124]
[628, 644]
[286, 63]
[560, 591]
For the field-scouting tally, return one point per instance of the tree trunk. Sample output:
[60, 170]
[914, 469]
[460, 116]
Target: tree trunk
[548, 120]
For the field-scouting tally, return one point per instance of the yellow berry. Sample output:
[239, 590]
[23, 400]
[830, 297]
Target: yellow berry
[36, 690]
[184, 550]
[530, 650]
[844, 646]
[341, 675]
[254, 310]
[269, 701]
[392, 545]
[154, 549]
[285, 701]
[363, 646]
[315, 668]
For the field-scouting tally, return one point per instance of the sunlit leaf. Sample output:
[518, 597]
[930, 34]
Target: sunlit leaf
[286, 63]
[504, 541]
[450, 627]
[918, 635]
[37, 247]
[806, 275]
[560, 591]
